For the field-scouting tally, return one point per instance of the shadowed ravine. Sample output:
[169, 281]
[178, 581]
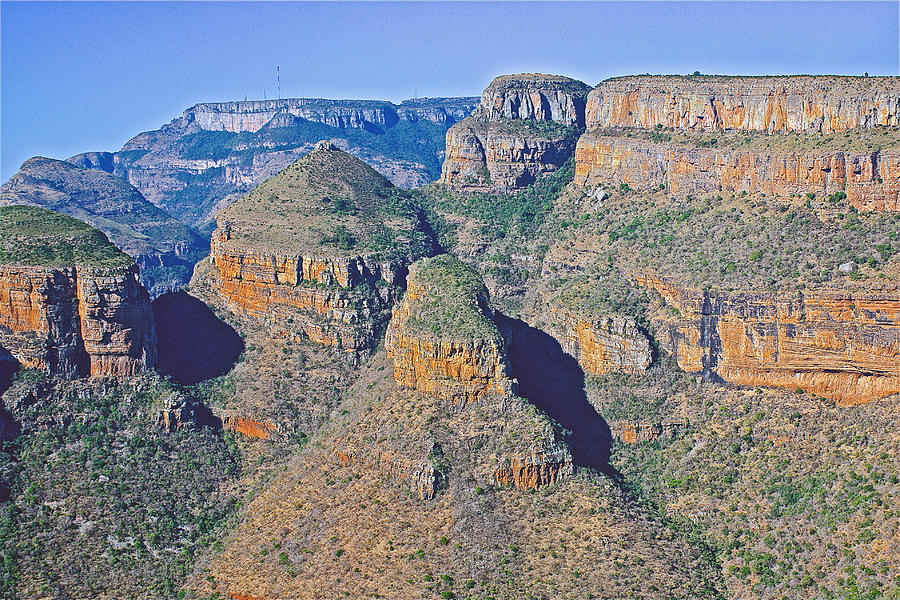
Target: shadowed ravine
[554, 382]
[194, 344]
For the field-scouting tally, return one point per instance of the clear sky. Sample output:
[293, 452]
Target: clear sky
[78, 77]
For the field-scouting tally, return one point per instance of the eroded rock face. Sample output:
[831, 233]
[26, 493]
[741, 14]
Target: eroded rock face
[839, 345]
[77, 320]
[526, 126]
[457, 371]
[871, 180]
[538, 468]
[632, 432]
[603, 345]
[825, 104]
[319, 292]
[535, 97]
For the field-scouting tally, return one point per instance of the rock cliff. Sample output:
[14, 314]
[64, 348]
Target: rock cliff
[870, 179]
[525, 126]
[824, 104]
[81, 319]
[318, 250]
[839, 345]
[603, 345]
[460, 359]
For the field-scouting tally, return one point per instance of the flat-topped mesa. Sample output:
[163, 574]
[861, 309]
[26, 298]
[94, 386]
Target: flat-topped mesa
[71, 303]
[526, 126]
[869, 178]
[324, 243]
[840, 345]
[822, 104]
[442, 338]
[370, 115]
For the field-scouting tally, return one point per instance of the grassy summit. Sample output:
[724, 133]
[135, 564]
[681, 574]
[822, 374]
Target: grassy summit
[455, 302]
[327, 203]
[41, 237]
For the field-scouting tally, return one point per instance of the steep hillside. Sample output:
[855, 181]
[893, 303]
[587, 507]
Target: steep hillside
[70, 301]
[325, 243]
[215, 152]
[412, 493]
[525, 126]
[163, 248]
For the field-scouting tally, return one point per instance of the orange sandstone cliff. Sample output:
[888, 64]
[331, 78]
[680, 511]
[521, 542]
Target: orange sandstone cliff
[823, 104]
[305, 251]
[77, 320]
[839, 345]
[870, 179]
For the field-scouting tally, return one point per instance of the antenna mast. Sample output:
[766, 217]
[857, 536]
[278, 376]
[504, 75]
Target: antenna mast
[278, 80]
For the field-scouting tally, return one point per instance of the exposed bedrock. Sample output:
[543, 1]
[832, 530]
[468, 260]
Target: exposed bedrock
[825, 104]
[839, 345]
[871, 180]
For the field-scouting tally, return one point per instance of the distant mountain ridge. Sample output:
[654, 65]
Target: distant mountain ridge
[163, 248]
[214, 152]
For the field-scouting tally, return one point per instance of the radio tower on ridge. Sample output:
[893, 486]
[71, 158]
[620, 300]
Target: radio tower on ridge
[278, 80]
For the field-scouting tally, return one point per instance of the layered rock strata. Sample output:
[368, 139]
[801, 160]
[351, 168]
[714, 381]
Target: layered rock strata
[870, 180]
[538, 468]
[454, 369]
[839, 345]
[274, 262]
[77, 320]
[823, 104]
[526, 126]
[607, 344]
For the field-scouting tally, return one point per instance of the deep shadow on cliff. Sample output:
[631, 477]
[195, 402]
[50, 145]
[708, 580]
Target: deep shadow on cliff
[554, 382]
[194, 344]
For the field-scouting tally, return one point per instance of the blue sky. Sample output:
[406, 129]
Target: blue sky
[78, 77]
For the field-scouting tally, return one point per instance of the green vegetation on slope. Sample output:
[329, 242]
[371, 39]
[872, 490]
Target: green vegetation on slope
[329, 203]
[36, 236]
[454, 303]
[103, 502]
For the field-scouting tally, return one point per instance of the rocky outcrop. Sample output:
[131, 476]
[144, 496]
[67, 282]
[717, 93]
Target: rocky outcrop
[273, 264]
[870, 180]
[420, 477]
[634, 432]
[526, 126]
[319, 294]
[457, 369]
[607, 344]
[824, 104]
[535, 97]
[538, 468]
[261, 430]
[77, 320]
[839, 345]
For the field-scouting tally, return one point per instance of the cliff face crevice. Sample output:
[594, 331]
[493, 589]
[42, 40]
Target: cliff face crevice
[839, 345]
[607, 344]
[526, 126]
[871, 180]
[538, 468]
[77, 321]
[824, 104]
